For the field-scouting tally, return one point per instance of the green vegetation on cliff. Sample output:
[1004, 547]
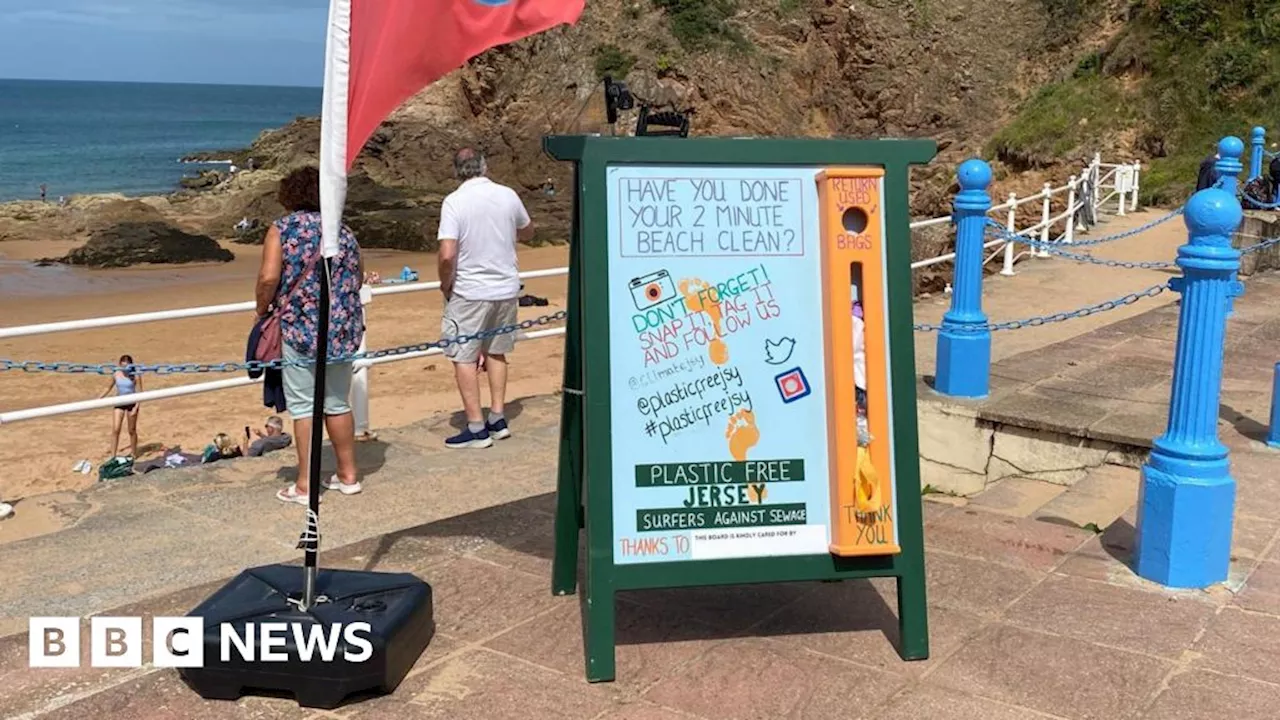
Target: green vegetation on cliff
[1180, 75]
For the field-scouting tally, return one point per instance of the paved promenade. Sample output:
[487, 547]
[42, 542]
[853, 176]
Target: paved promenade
[1032, 615]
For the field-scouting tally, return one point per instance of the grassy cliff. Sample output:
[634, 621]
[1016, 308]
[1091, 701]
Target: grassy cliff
[1178, 76]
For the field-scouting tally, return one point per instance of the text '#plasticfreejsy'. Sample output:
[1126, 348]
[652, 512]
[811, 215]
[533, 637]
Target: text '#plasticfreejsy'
[704, 413]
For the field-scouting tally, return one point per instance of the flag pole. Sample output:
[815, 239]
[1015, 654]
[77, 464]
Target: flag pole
[333, 192]
[310, 542]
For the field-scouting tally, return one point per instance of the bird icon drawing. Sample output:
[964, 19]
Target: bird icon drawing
[777, 353]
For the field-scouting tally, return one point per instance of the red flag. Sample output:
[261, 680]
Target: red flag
[398, 47]
[382, 52]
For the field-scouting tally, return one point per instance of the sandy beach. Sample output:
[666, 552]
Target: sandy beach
[38, 455]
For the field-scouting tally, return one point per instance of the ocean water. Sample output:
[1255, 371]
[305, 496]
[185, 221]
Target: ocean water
[89, 137]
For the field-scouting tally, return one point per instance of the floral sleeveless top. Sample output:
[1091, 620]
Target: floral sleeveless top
[300, 241]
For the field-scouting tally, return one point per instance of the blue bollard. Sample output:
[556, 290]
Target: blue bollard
[1187, 497]
[964, 343]
[1228, 168]
[1273, 434]
[1257, 151]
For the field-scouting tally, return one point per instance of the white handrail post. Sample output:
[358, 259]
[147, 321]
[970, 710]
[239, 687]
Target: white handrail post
[1044, 219]
[1082, 188]
[1121, 183]
[1137, 171]
[1070, 235]
[360, 394]
[1013, 228]
[1097, 180]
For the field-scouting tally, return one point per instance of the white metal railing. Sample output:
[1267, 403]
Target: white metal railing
[1124, 179]
[197, 388]
[182, 313]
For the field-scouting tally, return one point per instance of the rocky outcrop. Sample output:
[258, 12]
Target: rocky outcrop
[906, 69]
[203, 180]
[154, 242]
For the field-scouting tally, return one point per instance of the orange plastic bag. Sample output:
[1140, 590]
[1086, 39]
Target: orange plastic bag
[866, 484]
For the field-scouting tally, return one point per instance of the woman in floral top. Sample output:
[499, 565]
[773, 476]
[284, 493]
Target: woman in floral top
[289, 284]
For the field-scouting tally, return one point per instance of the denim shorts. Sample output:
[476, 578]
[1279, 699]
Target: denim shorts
[300, 387]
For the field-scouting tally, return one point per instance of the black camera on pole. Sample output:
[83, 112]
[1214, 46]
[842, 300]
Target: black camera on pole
[616, 97]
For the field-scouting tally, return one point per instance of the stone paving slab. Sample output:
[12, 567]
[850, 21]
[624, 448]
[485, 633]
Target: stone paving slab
[1027, 642]
[1015, 634]
[1113, 383]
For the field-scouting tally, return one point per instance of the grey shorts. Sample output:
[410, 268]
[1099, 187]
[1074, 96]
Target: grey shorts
[468, 317]
[300, 387]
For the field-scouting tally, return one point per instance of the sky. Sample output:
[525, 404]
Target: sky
[235, 42]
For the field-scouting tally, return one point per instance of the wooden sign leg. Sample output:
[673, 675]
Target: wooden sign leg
[913, 611]
[601, 617]
[569, 513]
[564, 564]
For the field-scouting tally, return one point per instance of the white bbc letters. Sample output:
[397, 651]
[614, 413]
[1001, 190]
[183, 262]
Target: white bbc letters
[177, 642]
[53, 642]
[115, 642]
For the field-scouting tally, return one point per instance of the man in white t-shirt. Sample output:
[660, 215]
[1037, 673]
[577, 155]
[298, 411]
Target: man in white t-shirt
[480, 223]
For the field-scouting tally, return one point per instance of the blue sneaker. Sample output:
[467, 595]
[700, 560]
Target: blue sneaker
[468, 439]
[498, 430]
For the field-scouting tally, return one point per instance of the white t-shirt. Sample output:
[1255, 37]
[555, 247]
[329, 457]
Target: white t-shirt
[483, 217]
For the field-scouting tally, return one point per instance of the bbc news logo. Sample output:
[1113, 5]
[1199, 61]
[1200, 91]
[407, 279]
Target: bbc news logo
[178, 642]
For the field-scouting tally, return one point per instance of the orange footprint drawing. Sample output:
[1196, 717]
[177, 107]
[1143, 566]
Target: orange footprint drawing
[698, 298]
[742, 434]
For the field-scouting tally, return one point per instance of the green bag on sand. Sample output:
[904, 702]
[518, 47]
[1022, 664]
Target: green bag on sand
[115, 468]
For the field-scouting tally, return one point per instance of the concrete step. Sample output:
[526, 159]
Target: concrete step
[1101, 497]
[1016, 496]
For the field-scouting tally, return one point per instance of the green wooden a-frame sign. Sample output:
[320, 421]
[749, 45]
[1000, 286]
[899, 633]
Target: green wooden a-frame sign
[586, 489]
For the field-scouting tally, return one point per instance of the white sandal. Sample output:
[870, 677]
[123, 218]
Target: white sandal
[334, 483]
[291, 495]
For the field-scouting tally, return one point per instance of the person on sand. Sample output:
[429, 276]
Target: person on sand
[5, 510]
[269, 438]
[290, 279]
[222, 448]
[44, 192]
[124, 381]
[480, 223]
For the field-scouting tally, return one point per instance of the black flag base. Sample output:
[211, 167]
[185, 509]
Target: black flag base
[363, 634]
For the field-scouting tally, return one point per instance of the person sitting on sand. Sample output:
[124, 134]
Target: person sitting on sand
[125, 381]
[270, 438]
[5, 510]
[222, 448]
